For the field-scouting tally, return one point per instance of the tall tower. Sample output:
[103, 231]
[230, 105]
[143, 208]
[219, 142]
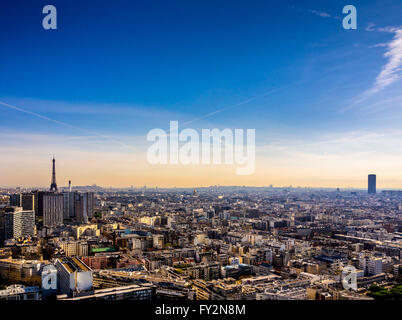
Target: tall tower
[372, 184]
[53, 185]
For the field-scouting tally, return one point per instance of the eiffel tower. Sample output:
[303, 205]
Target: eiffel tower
[53, 185]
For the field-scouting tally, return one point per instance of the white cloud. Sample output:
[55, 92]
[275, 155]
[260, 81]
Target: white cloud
[370, 27]
[379, 45]
[320, 13]
[391, 71]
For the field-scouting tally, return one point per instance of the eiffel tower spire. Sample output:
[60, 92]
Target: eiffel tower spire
[53, 185]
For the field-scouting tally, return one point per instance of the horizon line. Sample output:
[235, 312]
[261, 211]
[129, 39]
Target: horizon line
[202, 187]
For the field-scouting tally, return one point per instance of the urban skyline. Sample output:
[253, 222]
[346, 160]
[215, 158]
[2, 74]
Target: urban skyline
[201, 158]
[206, 244]
[372, 184]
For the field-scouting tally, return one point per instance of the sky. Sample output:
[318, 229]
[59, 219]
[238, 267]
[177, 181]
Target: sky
[325, 102]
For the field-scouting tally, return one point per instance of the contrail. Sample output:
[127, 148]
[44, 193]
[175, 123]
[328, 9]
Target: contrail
[124, 144]
[63, 123]
[235, 105]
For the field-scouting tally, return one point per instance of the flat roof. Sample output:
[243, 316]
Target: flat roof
[72, 264]
[115, 290]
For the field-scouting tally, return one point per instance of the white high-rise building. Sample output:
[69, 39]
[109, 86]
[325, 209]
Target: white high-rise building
[374, 266]
[73, 276]
[19, 223]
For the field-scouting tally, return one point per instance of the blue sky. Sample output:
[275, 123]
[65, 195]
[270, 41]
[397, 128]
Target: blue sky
[112, 71]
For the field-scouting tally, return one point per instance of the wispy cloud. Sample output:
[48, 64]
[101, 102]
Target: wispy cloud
[323, 14]
[349, 142]
[347, 156]
[319, 13]
[371, 27]
[379, 45]
[391, 71]
[89, 108]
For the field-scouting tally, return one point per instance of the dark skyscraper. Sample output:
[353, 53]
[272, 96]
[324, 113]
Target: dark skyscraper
[53, 207]
[53, 185]
[372, 182]
[24, 200]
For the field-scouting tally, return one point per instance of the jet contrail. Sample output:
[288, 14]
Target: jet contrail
[235, 105]
[62, 123]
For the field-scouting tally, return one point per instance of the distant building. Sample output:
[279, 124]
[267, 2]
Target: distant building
[83, 206]
[73, 276]
[50, 204]
[18, 223]
[78, 206]
[69, 205]
[52, 209]
[374, 266]
[26, 272]
[372, 184]
[20, 292]
[86, 229]
[24, 200]
[89, 203]
[15, 200]
[370, 265]
[74, 248]
[158, 241]
[127, 292]
[97, 263]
